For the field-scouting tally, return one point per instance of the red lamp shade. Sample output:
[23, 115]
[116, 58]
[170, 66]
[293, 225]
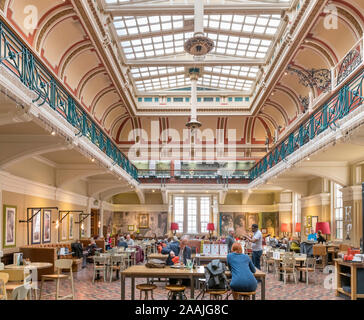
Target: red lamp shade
[210, 227]
[324, 227]
[285, 227]
[174, 226]
[298, 227]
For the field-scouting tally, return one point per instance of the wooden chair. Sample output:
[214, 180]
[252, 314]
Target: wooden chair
[100, 264]
[175, 291]
[4, 277]
[244, 295]
[310, 267]
[117, 263]
[18, 278]
[146, 288]
[20, 293]
[61, 264]
[288, 268]
[216, 294]
[269, 261]
[319, 250]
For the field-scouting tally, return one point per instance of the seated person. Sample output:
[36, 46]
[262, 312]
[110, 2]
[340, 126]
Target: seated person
[320, 238]
[242, 271]
[129, 240]
[174, 260]
[122, 243]
[108, 242]
[295, 246]
[173, 246]
[312, 236]
[273, 242]
[91, 248]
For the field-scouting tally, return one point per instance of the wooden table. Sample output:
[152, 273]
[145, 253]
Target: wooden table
[32, 265]
[301, 260]
[142, 271]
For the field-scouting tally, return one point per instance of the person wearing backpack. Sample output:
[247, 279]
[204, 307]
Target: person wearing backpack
[242, 271]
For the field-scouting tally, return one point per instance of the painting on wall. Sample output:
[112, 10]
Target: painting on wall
[240, 226]
[157, 225]
[226, 222]
[143, 221]
[251, 218]
[269, 222]
[36, 226]
[64, 226]
[46, 226]
[9, 227]
[70, 226]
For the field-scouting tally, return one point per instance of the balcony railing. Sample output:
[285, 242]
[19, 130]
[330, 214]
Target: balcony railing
[18, 59]
[349, 98]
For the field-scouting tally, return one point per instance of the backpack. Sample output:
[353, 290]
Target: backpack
[215, 276]
[155, 263]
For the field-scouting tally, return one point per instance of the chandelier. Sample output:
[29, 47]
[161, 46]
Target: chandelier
[198, 46]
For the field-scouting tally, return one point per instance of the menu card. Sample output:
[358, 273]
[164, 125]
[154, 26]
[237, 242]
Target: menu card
[206, 248]
[223, 249]
[276, 255]
[215, 249]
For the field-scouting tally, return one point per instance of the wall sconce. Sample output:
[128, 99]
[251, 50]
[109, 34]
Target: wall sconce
[82, 227]
[99, 224]
[57, 224]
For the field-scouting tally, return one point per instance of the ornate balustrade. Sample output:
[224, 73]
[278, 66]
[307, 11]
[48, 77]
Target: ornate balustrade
[349, 98]
[17, 58]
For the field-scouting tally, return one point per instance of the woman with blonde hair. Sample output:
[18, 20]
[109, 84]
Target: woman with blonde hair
[242, 270]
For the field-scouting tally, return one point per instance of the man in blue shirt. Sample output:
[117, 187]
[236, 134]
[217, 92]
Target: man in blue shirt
[312, 236]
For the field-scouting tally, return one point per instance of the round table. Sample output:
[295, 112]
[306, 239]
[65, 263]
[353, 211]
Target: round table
[32, 265]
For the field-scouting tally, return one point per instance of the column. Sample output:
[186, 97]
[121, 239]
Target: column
[87, 222]
[101, 219]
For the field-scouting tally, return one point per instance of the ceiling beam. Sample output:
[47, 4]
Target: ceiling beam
[181, 9]
[191, 63]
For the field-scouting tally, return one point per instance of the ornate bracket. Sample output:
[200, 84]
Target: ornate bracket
[319, 78]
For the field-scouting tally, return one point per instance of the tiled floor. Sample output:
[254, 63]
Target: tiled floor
[275, 290]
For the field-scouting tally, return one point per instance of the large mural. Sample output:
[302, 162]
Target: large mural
[241, 222]
[130, 222]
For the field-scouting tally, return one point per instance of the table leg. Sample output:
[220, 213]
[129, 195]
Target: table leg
[122, 287]
[132, 288]
[301, 265]
[192, 288]
[262, 293]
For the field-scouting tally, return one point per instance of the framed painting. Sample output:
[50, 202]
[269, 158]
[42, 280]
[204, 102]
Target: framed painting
[240, 226]
[82, 231]
[130, 228]
[47, 226]
[70, 226]
[270, 222]
[251, 218]
[36, 226]
[144, 221]
[314, 220]
[226, 223]
[64, 226]
[9, 226]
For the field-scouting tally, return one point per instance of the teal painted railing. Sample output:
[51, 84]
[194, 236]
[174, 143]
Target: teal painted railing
[17, 58]
[340, 105]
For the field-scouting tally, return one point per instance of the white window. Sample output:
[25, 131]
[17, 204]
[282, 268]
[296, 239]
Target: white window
[339, 212]
[179, 212]
[204, 213]
[192, 215]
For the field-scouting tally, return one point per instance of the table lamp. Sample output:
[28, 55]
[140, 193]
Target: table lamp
[210, 228]
[174, 227]
[324, 227]
[285, 228]
[298, 228]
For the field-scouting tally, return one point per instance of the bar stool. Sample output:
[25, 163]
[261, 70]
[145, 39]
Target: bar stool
[216, 294]
[146, 288]
[176, 291]
[245, 295]
[61, 264]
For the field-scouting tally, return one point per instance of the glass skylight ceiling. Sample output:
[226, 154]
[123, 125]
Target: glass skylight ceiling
[159, 41]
